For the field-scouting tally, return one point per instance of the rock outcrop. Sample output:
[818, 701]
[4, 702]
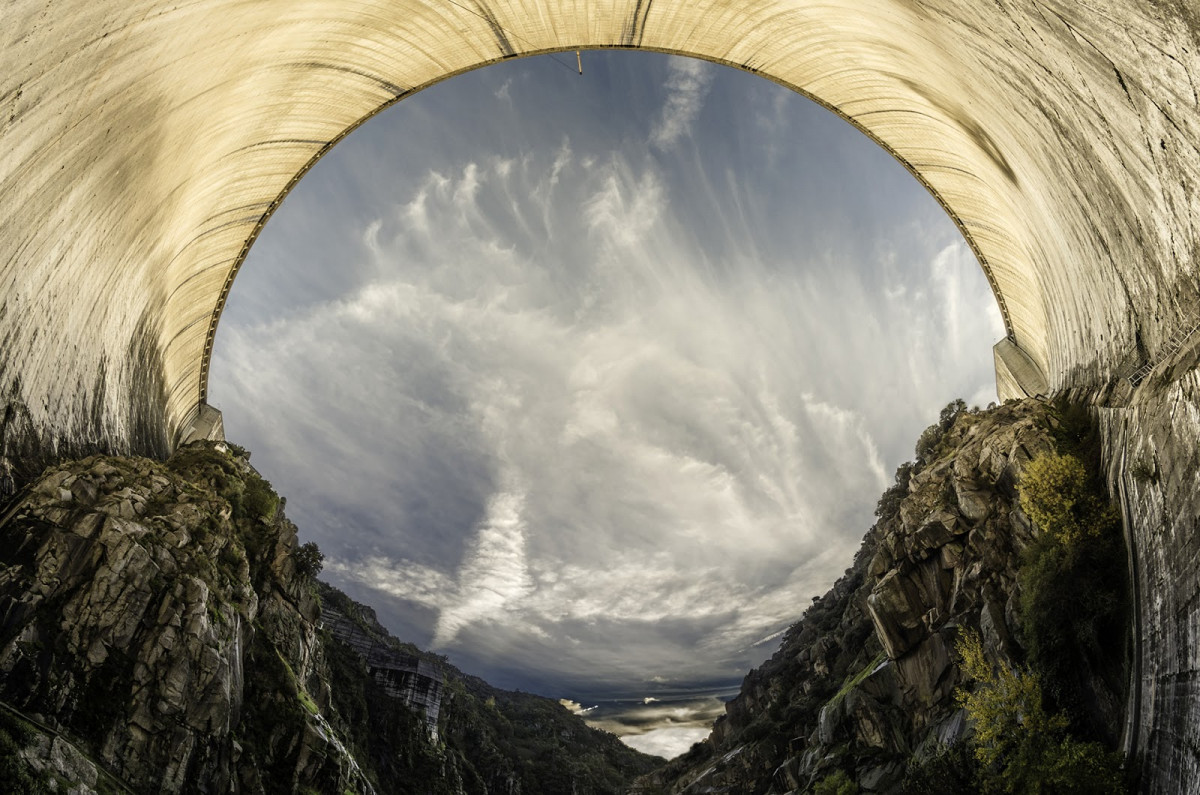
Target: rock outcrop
[865, 681]
[160, 628]
[416, 682]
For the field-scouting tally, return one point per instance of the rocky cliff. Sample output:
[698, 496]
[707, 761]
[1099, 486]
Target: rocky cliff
[161, 631]
[864, 683]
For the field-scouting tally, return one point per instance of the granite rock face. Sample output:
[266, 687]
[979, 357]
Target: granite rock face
[418, 683]
[159, 631]
[865, 680]
[135, 596]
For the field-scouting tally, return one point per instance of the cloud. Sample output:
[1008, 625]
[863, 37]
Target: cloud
[502, 93]
[667, 470]
[851, 428]
[687, 85]
[574, 707]
[568, 412]
[495, 574]
[625, 207]
[669, 742]
[661, 728]
[404, 579]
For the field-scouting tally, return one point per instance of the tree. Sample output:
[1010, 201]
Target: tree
[1054, 494]
[931, 437]
[1020, 747]
[889, 501]
[950, 413]
[1074, 590]
[309, 559]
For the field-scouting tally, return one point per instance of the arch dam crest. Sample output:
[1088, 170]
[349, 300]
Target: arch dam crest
[143, 145]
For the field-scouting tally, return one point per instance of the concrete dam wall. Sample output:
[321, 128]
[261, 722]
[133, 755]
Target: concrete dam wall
[143, 145]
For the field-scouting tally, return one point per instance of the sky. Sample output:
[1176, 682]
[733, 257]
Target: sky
[592, 383]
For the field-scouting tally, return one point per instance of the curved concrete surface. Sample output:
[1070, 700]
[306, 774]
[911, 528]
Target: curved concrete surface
[144, 144]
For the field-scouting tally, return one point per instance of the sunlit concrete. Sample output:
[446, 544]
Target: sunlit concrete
[1017, 375]
[143, 145]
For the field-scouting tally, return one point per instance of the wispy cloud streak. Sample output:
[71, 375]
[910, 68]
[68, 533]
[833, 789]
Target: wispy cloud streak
[686, 85]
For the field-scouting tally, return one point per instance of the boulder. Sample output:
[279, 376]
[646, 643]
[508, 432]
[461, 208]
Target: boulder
[896, 613]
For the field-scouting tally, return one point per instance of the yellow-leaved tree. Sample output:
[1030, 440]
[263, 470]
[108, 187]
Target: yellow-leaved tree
[1054, 494]
[1021, 748]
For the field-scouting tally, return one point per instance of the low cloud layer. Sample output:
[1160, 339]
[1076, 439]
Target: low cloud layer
[596, 407]
[662, 728]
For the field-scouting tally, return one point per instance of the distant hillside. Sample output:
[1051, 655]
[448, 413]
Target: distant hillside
[162, 631]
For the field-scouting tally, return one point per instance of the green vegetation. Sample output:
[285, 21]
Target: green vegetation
[858, 678]
[309, 560]
[307, 702]
[929, 444]
[889, 501]
[1054, 495]
[1044, 727]
[1144, 471]
[15, 773]
[951, 768]
[259, 500]
[490, 740]
[837, 783]
[230, 476]
[933, 443]
[534, 741]
[1074, 593]
[213, 540]
[272, 714]
[1021, 748]
[254, 508]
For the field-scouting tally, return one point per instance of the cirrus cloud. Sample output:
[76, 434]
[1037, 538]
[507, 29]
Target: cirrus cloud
[585, 412]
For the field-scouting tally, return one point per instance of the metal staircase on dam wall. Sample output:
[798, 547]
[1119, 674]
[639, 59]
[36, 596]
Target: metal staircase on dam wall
[1172, 346]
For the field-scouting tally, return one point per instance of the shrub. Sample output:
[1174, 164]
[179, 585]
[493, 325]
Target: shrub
[1054, 492]
[1074, 602]
[231, 557]
[16, 775]
[931, 437]
[837, 783]
[889, 502]
[950, 413]
[259, 500]
[926, 443]
[1019, 745]
[1074, 591]
[949, 769]
[1005, 707]
[1074, 431]
[1144, 471]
